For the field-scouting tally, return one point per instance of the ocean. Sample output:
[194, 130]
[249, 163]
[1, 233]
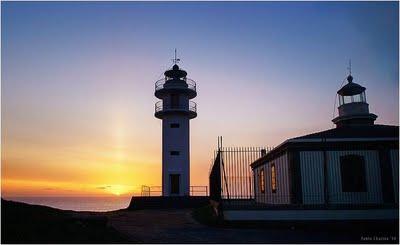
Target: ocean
[99, 204]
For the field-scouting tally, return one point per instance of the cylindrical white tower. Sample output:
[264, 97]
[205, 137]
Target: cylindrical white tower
[175, 109]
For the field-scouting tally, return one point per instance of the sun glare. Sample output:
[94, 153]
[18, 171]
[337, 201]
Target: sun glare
[118, 190]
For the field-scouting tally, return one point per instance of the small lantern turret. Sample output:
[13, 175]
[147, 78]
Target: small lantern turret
[353, 107]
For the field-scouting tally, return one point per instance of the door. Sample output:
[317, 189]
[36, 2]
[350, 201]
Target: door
[174, 101]
[174, 183]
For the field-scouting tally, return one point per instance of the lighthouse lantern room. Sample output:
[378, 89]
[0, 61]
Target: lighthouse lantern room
[175, 109]
[353, 107]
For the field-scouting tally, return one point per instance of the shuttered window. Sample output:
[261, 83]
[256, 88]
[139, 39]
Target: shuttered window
[261, 181]
[174, 125]
[352, 171]
[174, 153]
[273, 178]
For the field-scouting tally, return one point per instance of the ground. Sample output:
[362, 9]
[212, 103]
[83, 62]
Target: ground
[179, 226]
[38, 224]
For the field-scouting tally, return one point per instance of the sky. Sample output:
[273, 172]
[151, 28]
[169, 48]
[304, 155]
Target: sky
[77, 86]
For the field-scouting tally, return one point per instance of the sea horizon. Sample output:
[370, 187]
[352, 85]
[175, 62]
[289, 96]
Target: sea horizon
[76, 203]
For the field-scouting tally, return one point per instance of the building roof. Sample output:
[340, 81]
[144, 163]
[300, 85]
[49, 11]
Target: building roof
[351, 88]
[359, 133]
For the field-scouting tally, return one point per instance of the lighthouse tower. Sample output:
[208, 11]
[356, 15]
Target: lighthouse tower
[353, 107]
[175, 110]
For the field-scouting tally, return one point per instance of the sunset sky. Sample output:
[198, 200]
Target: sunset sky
[78, 83]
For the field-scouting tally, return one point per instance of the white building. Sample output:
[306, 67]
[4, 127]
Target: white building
[350, 172]
[175, 109]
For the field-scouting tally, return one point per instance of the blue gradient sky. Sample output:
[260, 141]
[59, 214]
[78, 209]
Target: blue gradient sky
[78, 81]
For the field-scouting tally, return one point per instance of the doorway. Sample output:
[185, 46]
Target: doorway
[174, 183]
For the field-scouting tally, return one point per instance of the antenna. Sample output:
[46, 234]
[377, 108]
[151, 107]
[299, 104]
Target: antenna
[349, 68]
[176, 60]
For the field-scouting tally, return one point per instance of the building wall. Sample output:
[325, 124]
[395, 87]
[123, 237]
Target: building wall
[373, 194]
[312, 172]
[259, 197]
[282, 194]
[312, 176]
[394, 159]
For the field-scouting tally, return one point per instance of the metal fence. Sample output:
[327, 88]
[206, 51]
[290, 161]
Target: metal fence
[230, 173]
[197, 190]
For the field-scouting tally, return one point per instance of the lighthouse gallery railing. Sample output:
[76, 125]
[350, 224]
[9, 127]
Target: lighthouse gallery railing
[160, 106]
[190, 83]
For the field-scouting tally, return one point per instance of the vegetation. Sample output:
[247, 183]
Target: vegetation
[205, 215]
[24, 223]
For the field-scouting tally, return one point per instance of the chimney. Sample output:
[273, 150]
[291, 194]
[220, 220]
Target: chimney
[263, 152]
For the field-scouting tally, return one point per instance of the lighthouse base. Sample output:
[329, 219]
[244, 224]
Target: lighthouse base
[160, 202]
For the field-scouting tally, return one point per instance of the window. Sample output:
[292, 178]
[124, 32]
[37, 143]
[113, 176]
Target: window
[273, 178]
[352, 171]
[174, 153]
[261, 182]
[174, 125]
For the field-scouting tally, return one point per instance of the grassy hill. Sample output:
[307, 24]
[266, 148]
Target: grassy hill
[25, 223]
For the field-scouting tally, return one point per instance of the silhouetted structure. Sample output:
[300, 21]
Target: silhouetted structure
[353, 106]
[356, 163]
[346, 173]
[175, 109]
[230, 174]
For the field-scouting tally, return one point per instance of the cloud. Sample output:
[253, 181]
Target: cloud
[103, 187]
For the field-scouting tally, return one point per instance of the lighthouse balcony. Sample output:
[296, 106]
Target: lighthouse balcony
[162, 109]
[170, 85]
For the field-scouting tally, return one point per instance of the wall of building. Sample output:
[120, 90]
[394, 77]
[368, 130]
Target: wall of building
[394, 160]
[292, 215]
[282, 194]
[312, 176]
[373, 178]
[312, 172]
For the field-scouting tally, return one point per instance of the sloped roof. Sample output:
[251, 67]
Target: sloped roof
[365, 131]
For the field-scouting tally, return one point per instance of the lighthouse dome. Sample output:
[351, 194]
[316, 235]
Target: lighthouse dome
[351, 88]
[175, 73]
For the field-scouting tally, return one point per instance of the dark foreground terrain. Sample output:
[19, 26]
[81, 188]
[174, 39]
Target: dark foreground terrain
[23, 223]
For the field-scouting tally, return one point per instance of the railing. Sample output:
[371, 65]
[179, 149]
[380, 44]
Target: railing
[199, 190]
[231, 176]
[148, 191]
[159, 106]
[161, 83]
